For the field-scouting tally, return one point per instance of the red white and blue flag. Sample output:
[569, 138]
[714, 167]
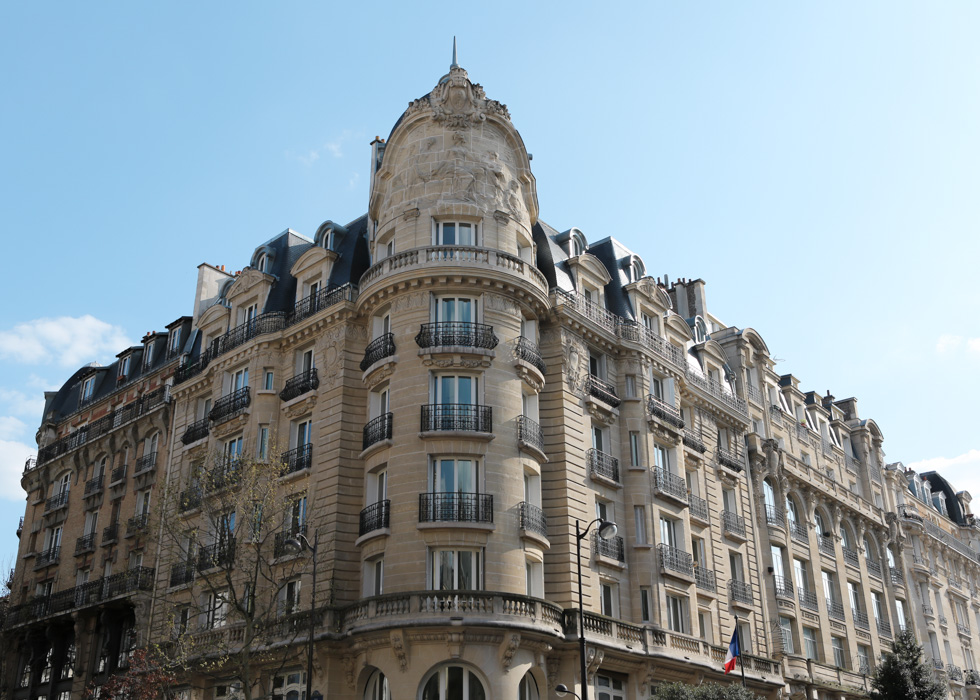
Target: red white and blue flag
[733, 653]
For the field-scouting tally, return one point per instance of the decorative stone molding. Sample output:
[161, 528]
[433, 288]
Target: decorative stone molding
[398, 647]
[301, 408]
[508, 648]
[457, 103]
[593, 661]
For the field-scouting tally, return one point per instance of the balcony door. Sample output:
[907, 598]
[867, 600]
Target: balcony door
[454, 389]
[454, 476]
[454, 310]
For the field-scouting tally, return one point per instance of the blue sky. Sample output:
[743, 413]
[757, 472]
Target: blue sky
[816, 163]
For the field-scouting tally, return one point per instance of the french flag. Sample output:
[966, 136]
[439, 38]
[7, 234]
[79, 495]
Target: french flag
[733, 653]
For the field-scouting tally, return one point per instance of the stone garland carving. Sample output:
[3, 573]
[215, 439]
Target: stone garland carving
[553, 667]
[498, 302]
[415, 300]
[510, 646]
[593, 661]
[350, 666]
[457, 103]
[398, 647]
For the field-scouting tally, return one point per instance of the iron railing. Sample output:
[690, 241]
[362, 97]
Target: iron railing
[260, 325]
[601, 464]
[110, 534]
[835, 609]
[299, 384]
[825, 543]
[669, 484]
[48, 556]
[296, 459]
[529, 433]
[457, 416]
[740, 591]
[118, 475]
[694, 441]
[381, 347]
[954, 673]
[884, 627]
[676, 560]
[196, 431]
[94, 485]
[377, 430]
[526, 350]
[860, 618]
[782, 586]
[774, 515]
[137, 524]
[55, 502]
[223, 474]
[613, 548]
[729, 459]
[182, 573]
[874, 566]
[217, 554]
[533, 519]
[85, 543]
[776, 415]
[230, 405]
[733, 523]
[455, 507]
[897, 576]
[798, 532]
[851, 556]
[603, 390]
[375, 517]
[719, 391]
[325, 298]
[808, 599]
[705, 578]
[145, 463]
[659, 408]
[456, 334]
[190, 499]
[699, 508]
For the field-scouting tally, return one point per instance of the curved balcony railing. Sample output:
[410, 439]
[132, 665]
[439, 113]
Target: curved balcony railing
[378, 349]
[613, 548]
[774, 515]
[457, 416]
[601, 464]
[729, 459]
[375, 517]
[529, 433]
[218, 554]
[455, 507]
[669, 484]
[740, 591]
[196, 431]
[603, 390]
[296, 459]
[734, 524]
[527, 350]
[300, 384]
[230, 405]
[659, 408]
[48, 556]
[377, 430]
[783, 586]
[694, 441]
[533, 519]
[456, 334]
[675, 560]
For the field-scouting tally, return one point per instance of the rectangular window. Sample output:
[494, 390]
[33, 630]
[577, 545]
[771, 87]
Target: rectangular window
[263, 450]
[730, 501]
[289, 602]
[676, 617]
[786, 630]
[454, 570]
[645, 594]
[631, 386]
[454, 233]
[704, 625]
[864, 659]
[634, 448]
[215, 610]
[239, 379]
[668, 532]
[270, 380]
[608, 599]
[745, 637]
[840, 655]
[735, 565]
[534, 578]
[640, 521]
[810, 643]
[661, 457]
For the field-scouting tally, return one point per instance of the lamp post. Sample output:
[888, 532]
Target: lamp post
[607, 530]
[296, 544]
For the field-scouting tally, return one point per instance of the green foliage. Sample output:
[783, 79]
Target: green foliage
[904, 675]
[705, 691]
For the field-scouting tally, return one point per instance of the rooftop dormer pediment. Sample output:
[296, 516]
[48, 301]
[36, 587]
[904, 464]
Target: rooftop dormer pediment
[587, 267]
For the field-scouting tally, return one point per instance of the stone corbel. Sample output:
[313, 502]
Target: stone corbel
[501, 217]
[507, 650]
[593, 661]
[350, 667]
[553, 667]
[454, 641]
[398, 646]
[410, 214]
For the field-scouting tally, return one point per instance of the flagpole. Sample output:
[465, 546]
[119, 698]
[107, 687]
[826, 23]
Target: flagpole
[741, 663]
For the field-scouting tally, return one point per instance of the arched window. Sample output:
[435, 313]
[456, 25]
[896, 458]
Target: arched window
[770, 495]
[870, 550]
[700, 330]
[818, 523]
[262, 262]
[845, 537]
[377, 687]
[792, 517]
[528, 689]
[452, 683]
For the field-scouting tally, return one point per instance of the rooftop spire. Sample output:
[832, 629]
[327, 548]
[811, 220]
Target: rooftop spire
[454, 64]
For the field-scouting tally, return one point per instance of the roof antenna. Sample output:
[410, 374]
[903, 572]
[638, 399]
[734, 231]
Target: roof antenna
[454, 64]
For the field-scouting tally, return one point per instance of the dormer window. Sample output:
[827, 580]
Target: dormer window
[88, 388]
[700, 330]
[124, 368]
[148, 354]
[454, 233]
[262, 263]
[578, 242]
[636, 269]
[174, 341]
[939, 501]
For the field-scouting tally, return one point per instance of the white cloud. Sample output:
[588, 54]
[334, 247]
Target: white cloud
[11, 427]
[973, 346]
[334, 148]
[20, 404]
[67, 341]
[12, 458]
[948, 343]
[962, 471]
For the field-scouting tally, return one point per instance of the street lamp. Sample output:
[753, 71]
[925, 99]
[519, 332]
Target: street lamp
[607, 530]
[561, 690]
[295, 545]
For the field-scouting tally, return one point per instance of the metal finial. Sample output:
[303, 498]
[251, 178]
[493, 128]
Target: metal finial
[454, 64]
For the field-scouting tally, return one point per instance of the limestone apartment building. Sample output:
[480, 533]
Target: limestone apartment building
[447, 385]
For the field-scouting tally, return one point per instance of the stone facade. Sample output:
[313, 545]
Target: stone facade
[440, 397]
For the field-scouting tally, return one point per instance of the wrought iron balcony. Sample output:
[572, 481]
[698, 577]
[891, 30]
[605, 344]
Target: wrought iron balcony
[110, 534]
[740, 591]
[190, 499]
[699, 508]
[48, 556]
[145, 463]
[118, 475]
[456, 334]
[377, 430]
[860, 618]
[937, 664]
[954, 673]
[734, 524]
[825, 543]
[874, 566]
[218, 554]
[231, 405]
[601, 464]
[694, 441]
[455, 507]
[325, 298]
[704, 579]
[222, 475]
[196, 431]
[884, 627]
[603, 390]
[669, 484]
[909, 513]
[85, 543]
[457, 417]
[56, 502]
[94, 485]
[774, 515]
[666, 412]
[783, 586]
[835, 609]
[533, 519]
[808, 599]
[719, 391]
[137, 524]
[851, 556]
[296, 459]
[675, 560]
[798, 532]
[300, 384]
[776, 415]
[291, 532]
[612, 548]
[375, 517]
[729, 459]
[381, 347]
[529, 433]
[182, 573]
[963, 629]
[260, 325]
[526, 350]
